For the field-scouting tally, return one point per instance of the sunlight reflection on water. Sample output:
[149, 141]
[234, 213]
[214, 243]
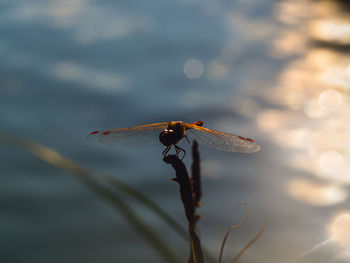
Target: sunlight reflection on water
[135, 61]
[339, 228]
[330, 99]
[311, 117]
[316, 194]
[331, 30]
[314, 84]
[339, 232]
[89, 22]
[90, 77]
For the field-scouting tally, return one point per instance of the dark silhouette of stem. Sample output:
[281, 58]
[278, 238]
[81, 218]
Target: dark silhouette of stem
[185, 187]
[196, 179]
[190, 194]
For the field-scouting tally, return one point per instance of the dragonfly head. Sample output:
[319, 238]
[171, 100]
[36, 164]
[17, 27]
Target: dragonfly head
[168, 137]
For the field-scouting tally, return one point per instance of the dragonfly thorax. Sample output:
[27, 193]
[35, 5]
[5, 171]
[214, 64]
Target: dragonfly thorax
[167, 137]
[172, 134]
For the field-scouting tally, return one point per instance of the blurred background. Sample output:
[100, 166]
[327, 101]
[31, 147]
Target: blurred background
[275, 71]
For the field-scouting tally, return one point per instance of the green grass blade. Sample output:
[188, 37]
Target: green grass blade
[147, 203]
[55, 159]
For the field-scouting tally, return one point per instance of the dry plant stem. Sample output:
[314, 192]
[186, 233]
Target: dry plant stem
[197, 255]
[234, 227]
[187, 195]
[251, 242]
[185, 189]
[196, 179]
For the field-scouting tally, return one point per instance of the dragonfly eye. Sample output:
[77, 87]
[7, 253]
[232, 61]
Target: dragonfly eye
[167, 137]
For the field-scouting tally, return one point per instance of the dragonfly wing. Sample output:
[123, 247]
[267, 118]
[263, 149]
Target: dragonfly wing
[137, 135]
[222, 141]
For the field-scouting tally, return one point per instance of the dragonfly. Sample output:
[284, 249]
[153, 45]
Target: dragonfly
[171, 133]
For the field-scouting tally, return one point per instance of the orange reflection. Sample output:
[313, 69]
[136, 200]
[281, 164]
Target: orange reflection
[331, 161]
[212, 168]
[293, 138]
[329, 166]
[335, 76]
[291, 12]
[315, 194]
[331, 30]
[217, 70]
[288, 43]
[312, 108]
[339, 233]
[330, 99]
[339, 229]
[325, 8]
[330, 134]
[312, 113]
[273, 120]
[245, 106]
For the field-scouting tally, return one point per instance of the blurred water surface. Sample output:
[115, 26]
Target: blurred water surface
[275, 71]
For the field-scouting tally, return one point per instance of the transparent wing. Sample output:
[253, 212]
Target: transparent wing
[220, 140]
[138, 135]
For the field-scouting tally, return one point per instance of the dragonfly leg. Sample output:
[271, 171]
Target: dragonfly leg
[187, 139]
[166, 150]
[178, 149]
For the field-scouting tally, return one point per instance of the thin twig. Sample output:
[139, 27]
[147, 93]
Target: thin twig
[251, 242]
[234, 227]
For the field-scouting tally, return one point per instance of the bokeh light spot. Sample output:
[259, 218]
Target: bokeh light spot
[331, 161]
[217, 70]
[340, 229]
[316, 194]
[193, 68]
[332, 30]
[244, 106]
[348, 71]
[330, 99]
[312, 108]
